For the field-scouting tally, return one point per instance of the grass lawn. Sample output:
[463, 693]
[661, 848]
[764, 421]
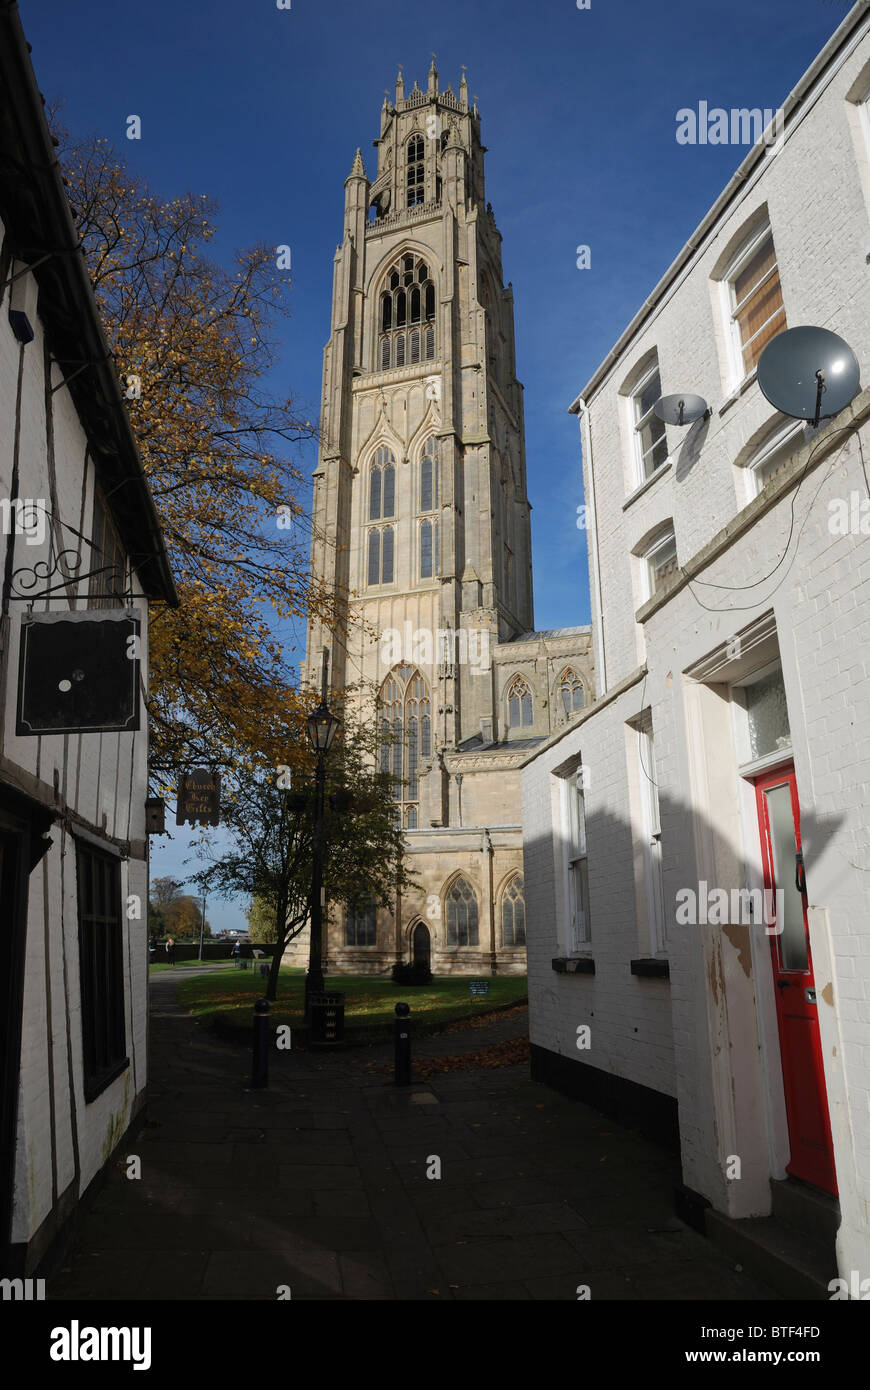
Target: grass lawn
[186, 964]
[369, 1000]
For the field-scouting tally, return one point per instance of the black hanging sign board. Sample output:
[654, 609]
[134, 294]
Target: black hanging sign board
[199, 797]
[78, 673]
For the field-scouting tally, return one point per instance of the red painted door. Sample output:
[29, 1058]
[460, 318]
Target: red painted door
[806, 1102]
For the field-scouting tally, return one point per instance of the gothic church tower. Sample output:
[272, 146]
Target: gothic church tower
[421, 524]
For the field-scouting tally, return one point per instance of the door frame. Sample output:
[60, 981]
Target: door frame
[785, 772]
[419, 922]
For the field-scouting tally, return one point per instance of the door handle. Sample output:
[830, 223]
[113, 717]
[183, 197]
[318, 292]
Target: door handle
[800, 878]
[783, 984]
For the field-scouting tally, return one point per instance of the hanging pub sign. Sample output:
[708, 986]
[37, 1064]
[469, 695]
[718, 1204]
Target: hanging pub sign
[199, 797]
[78, 673]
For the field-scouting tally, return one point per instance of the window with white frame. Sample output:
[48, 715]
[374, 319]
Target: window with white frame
[578, 926]
[763, 733]
[650, 436]
[652, 833]
[754, 301]
[659, 560]
[775, 450]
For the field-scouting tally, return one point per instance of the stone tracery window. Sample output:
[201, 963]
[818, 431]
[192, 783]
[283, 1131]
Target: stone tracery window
[406, 314]
[571, 692]
[381, 505]
[405, 716]
[520, 708]
[461, 914]
[428, 502]
[361, 924]
[513, 913]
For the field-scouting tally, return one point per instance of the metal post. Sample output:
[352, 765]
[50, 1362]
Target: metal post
[403, 1045]
[314, 978]
[260, 1060]
[201, 926]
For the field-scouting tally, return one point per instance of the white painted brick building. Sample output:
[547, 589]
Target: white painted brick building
[73, 840]
[732, 651]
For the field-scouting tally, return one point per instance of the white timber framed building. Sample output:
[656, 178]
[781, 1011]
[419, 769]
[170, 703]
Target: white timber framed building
[81, 538]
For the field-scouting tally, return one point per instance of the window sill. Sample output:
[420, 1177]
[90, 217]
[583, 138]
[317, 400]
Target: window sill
[95, 1085]
[768, 763]
[651, 967]
[666, 467]
[573, 965]
[738, 391]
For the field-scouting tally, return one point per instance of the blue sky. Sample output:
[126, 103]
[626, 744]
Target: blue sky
[263, 108]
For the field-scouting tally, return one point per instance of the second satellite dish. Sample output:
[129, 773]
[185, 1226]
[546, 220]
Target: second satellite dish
[681, 409]
[809, 373]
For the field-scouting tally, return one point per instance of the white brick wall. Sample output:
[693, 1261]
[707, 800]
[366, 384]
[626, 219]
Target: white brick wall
[708, 1035]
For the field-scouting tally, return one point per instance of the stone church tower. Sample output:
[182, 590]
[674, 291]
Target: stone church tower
[421, 525]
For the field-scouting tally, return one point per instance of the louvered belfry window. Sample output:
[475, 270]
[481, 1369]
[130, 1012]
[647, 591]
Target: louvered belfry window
[406, 317]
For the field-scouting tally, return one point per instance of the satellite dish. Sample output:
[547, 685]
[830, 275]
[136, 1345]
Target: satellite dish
[681, 409]
[809, 373]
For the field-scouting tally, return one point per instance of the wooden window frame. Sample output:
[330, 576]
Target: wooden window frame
[101, 967]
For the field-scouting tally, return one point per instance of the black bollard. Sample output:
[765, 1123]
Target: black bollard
[403, 1045]
[260, 1064]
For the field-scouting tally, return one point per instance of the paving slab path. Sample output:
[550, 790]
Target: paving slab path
[321, 1185]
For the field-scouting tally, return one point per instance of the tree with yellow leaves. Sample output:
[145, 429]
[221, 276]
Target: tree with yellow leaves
[194, 341]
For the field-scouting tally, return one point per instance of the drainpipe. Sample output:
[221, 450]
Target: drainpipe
[597, 610]
[459, 797]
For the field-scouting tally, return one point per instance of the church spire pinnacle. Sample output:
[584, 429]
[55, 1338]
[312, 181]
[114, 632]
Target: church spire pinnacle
[433, 78]
[400, 86]
[358, 169]
[463, 90]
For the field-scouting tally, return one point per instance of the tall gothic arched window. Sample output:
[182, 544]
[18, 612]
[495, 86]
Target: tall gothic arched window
[416, 172]
[405, 715]
[381, 504]
[461, 914]
[571, 692]
[513, 913]
[406, 317]
[382, 485]
[361, 924]
[428, 502]
[519, 700]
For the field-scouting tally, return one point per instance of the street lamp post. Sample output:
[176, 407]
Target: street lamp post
[322, 728]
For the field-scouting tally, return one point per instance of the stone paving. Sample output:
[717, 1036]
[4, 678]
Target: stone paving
[319, 1184]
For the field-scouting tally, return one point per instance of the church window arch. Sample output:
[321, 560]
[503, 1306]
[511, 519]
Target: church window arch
[381, 554]
[361, 923]
[520, 707]
[428, 502]
[382, 485]
[406, 314]
[572, 692]
[405, 718]
[462, 924]
[513, 912]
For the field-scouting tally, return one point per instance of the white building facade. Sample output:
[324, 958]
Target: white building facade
[696, 857]
[81, 544]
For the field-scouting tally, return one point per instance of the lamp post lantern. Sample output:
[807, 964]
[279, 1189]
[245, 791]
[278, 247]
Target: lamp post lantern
[322, 728]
